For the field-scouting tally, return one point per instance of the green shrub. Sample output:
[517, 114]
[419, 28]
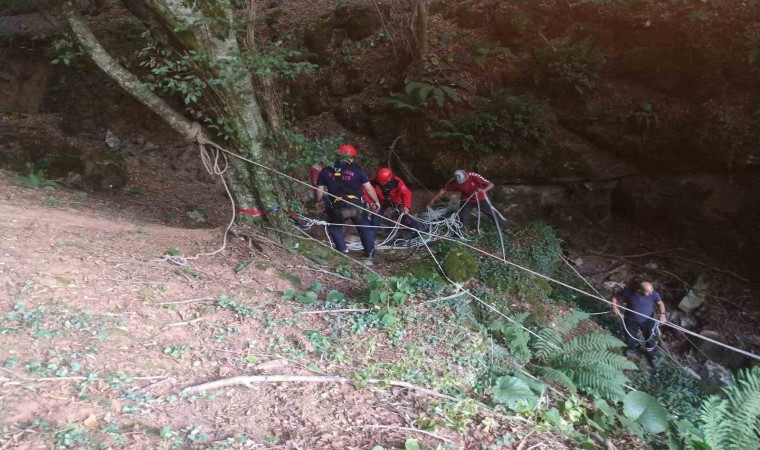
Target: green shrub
[571, 66]
[671, 386]
[503, 123]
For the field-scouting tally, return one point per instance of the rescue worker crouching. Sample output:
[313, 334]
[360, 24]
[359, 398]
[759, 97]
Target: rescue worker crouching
[472, 188]
[344, 182]
[392, 193]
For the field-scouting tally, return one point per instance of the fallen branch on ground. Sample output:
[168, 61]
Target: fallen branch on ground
[327, 311]
[189, 322]
[448, 297]
[192, 300]
[337, 275]
[248, 381]
[415, 430]
[524, 440]
[77, 378]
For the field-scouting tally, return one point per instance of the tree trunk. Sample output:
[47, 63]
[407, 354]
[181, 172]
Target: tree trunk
[420, 29]
[253, 187]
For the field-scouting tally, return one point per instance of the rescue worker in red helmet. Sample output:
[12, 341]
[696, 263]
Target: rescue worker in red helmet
[344, 182]
[472, 188]
[392, 193]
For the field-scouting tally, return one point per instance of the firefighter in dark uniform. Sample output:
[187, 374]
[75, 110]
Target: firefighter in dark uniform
[345, 182]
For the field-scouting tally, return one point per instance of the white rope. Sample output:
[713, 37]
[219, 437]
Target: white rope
[503, 260]
[654, 332]
[496, 216]
[211, 164]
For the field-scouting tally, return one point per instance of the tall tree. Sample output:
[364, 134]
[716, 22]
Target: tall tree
[205, 28]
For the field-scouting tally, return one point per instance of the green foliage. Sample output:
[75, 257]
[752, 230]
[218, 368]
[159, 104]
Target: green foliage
[309, 297]
[37, 180]
[583, 362]
[66, 51]
[411, 444]
[419, 95]
[644, 409]
[513, 334]
[733, 421]
[644, 117]
[503, 123]
[301, 151]
[225, 302]
[586, 361]
[482, 52]
[515, 393]
[571, 67]
[676, 390]
[176, 351]
[536, 246]
[388, 292]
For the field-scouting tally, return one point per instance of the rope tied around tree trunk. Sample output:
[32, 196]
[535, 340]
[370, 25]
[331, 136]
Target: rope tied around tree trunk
[215, 162]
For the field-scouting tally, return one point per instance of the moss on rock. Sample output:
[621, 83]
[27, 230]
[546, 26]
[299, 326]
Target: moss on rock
[458, 263]
[423, 270]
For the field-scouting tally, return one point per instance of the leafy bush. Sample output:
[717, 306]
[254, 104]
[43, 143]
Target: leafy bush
[676, 390]
[418, 95]
[37, 180]
[302, 151]
[571, 66]
[504, 123]
[386, 294]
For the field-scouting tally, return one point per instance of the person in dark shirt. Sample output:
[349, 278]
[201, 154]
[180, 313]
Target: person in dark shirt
[472, 188]
[345, 182]
[644, 300]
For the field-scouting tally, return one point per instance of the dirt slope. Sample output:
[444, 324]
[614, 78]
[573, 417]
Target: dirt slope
[89, 356]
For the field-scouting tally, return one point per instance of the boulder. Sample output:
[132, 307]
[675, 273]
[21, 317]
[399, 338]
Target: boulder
[719, 354]
[689, 321]
[674, 317]
[566, 205]
[696, 296]
[112, 141]
[716, 375]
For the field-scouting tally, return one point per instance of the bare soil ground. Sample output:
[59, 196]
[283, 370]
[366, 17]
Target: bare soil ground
[92, 355]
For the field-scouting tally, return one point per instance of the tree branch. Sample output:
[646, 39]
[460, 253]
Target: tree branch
[128, 81]
[250, 380]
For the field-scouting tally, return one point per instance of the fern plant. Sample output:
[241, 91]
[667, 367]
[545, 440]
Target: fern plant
[732, 422]
[584, 362]
[37, 180]
[417, 95]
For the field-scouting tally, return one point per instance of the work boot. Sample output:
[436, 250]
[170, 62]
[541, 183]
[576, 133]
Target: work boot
[628, 353]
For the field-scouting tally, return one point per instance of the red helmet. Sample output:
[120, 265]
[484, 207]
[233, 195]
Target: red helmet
[347, 150]
[384, 175]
